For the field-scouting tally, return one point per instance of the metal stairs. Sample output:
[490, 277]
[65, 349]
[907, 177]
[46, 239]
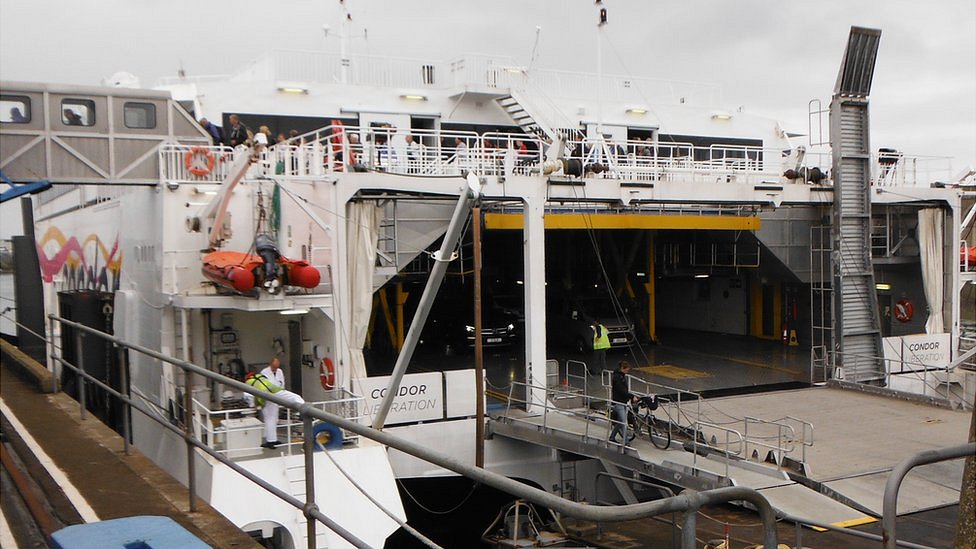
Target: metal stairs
[531, 119]
[858, 325]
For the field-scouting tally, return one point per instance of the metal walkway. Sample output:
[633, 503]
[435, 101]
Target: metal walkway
[845, 471]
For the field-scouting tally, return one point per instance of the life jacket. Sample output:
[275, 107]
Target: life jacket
[601, 339]
[261, 383]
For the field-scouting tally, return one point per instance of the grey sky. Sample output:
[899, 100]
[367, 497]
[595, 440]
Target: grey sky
[769, 56]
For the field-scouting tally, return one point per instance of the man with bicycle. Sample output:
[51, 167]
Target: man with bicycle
[621, 398]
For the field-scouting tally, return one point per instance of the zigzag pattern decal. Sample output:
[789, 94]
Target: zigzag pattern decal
[80, 272]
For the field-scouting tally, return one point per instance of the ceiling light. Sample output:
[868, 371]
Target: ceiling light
[297, 89]
[293, 311]
[721, 115]
[637, 110]
[701, 276]
[883, 286]
[414, 97]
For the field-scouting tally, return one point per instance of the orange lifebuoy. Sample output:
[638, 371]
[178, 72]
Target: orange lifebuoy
[327, 374]
[199, 161]
[904, 310]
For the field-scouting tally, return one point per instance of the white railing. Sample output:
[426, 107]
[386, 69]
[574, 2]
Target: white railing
[334, 149]
[477, 71]
[211, 427]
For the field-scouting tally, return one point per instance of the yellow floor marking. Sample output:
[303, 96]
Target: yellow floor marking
[854, 522]
[673, 372]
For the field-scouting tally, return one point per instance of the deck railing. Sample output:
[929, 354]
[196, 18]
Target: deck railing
[213, 429]
[337, 149]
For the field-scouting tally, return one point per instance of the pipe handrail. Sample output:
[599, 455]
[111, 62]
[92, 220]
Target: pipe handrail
[889, 512]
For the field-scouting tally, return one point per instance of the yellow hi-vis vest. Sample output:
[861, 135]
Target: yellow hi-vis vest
[261, 383]
[601, 339]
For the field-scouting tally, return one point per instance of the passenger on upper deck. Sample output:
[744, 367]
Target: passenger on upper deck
[17, 117]
[238, 134]
[415, 153]
[71, 118]
[214, 130]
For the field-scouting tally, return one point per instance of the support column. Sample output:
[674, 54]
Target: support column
[534, 254]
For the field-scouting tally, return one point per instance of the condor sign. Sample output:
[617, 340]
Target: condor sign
[917, 352]
[419, 398]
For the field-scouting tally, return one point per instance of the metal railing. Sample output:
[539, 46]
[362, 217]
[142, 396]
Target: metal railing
[212, 429]
[688, 502]
[935, 381]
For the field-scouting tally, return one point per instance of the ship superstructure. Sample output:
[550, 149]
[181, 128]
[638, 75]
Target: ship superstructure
[709, 220]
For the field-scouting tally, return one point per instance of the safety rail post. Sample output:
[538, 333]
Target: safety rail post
[124, 387]
[191, 470]
[54, 358]
[80, 360]
[890, 498]
[308, 448]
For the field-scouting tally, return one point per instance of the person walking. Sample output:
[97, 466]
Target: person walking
[620, 397]
[601, 342]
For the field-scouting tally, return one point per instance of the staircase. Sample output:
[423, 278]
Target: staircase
[531, 119]
[407, 228]
[296, 487]
[857, 337]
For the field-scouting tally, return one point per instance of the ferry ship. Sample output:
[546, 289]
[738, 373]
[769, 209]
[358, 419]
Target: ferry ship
[642, 198]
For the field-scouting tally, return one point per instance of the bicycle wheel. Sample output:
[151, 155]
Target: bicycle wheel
[659, 433]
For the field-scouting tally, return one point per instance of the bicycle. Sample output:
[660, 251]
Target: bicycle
[640, 416]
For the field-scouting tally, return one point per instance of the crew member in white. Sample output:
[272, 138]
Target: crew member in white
[271, 380]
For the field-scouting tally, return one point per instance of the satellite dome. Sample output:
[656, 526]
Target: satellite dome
[122, 79]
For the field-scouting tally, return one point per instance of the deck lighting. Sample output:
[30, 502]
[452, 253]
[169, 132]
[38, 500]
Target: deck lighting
[206, 189]
[292, 87]
[637, 110]
[701, 276]
[721, 115]
[293, 311]
[882, 286]
[414, 97]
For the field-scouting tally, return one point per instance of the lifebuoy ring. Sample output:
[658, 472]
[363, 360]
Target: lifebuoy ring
[904, 310]
[199, 161]
[327, 374]
[327, 436]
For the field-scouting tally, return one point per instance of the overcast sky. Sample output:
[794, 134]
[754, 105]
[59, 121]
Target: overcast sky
[771, 57]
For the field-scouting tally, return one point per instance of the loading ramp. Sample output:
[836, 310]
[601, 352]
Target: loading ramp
[843, 474]
[581, 433]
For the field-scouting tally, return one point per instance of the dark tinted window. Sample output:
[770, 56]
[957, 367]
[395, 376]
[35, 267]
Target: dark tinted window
[140, 115]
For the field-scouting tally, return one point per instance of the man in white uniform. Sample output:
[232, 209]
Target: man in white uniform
[271, 380]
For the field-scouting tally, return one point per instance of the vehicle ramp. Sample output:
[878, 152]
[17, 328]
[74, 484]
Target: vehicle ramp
[585, 435]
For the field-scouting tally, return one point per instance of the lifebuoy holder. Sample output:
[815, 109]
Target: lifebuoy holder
[904, 310]
[195, 167]
[327, 374]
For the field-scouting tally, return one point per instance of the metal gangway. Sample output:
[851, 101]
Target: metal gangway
[703, 453]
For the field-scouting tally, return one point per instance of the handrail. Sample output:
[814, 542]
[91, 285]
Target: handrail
[785, 436]
[689, 501]
[729, 439]
[890, 500]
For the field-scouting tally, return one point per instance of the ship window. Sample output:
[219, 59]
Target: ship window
[77, 112]
[140, 115]
[15, 109]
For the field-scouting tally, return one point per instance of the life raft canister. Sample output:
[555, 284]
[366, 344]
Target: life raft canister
[327, 374]
[904, 310]
[199, 161]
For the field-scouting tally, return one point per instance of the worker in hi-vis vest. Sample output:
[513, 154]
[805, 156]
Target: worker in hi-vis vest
[601, 342]
[268, 412]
